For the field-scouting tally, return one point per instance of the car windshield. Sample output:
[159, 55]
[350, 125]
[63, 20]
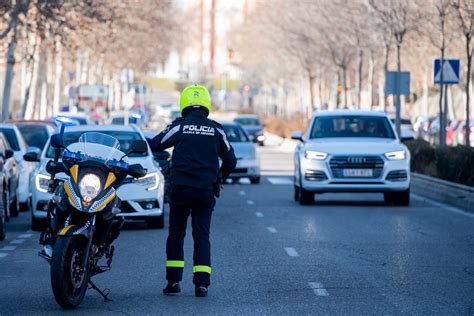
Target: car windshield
[11, 138]
[125, 140]
[402, 121]
[34, 135]
[248, 121]
[235, 134]
[351, 126]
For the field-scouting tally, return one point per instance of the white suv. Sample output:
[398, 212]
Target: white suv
[351, 151]
[141, 198]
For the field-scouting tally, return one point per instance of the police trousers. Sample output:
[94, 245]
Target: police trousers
[185, 200]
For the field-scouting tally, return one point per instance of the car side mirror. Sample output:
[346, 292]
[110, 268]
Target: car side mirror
[136, 171]
[32, 156]
[9, 153]
[297, 135]
[139, 147]
[57, 141]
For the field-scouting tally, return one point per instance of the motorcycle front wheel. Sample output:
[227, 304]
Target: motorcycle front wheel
[68, 280]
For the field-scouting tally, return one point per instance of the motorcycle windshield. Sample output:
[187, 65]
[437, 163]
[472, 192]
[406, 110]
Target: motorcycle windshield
[98, 146]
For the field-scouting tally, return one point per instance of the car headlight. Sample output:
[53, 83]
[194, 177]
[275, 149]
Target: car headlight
[396, 155]
[42, 183]
[89, 187]
[150, 181]
[316, 155]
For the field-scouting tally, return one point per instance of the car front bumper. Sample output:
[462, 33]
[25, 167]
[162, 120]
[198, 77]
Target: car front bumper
[246, 168]
[137, 202]
[317, 176]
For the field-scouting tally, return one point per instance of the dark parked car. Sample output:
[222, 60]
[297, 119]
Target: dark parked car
[35, 133]
[9, 174]
[252, 126]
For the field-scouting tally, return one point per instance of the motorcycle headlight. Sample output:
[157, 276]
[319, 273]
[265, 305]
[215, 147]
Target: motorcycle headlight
[316, 155]
[150, 181]
[42, 182]
[89, 186]
[396, 155]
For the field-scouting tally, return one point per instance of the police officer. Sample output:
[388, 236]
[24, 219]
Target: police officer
[195, 182]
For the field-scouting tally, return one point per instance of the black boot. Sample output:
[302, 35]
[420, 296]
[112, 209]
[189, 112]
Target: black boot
[200, 291]
[172, 288]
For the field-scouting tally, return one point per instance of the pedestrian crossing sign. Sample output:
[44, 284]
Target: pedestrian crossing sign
[451, 69]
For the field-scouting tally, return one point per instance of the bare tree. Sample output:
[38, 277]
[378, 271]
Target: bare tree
[465, 13]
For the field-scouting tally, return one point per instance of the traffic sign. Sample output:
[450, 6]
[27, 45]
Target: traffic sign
[450, 71]
[397, 83]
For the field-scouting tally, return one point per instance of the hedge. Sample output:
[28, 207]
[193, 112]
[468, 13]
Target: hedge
[455, 164]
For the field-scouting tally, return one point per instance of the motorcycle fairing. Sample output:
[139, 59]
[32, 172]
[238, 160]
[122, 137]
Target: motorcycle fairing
[75, 230]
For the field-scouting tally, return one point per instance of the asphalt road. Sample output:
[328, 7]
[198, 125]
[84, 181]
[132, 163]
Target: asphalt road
[348, 254]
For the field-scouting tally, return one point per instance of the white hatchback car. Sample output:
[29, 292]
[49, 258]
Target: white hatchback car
[351, 151]
[141, 198]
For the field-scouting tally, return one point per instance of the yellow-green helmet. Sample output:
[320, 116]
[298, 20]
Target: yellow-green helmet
[195, 95]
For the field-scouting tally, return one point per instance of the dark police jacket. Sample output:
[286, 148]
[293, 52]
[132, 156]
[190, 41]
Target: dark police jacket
[198, 144]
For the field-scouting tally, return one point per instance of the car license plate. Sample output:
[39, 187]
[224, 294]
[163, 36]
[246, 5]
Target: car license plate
[357, 173]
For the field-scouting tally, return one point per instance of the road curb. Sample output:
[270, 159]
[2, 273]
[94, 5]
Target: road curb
[460, 196]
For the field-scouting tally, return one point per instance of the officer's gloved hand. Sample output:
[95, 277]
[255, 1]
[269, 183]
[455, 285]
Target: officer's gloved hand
[218, 187]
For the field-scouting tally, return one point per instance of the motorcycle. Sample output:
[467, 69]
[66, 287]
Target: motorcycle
[82, 223]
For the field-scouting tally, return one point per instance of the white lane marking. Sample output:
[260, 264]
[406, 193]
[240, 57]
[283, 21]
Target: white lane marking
[250, 202]
[442, 205]
[259, 214]
[280, 180]
[25, 236]
[318, 289]
[8, 248]
[291, 252]
[272, 229]
[3, 254]
[244, 181]
[242, 192]
[17, 241]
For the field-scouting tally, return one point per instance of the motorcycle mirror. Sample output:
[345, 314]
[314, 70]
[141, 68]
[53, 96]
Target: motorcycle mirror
[57, 141]
[136, 170]
[9, 153]
[139, 147]
[53, 167]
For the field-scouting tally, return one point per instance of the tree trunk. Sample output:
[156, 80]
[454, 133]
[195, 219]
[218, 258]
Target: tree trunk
[9, 72]
[344, 83]
[468, 89]
[385, 68]
[370, 80]
[311, 88]
[31, 99]
[359, 78]
[397, 96]
[58, 56]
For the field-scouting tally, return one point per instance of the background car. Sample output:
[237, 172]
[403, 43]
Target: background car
[19, 147]
[248, 164]
[351, 151]
[141, 199]
[252, 126]
[406, 128]
[9, 180]
[461, 133]
[82, 118]
[118, 118]
[35, 133]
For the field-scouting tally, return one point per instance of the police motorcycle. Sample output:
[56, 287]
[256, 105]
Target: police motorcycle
[82, 223]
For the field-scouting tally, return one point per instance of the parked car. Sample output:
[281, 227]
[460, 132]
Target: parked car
[19, 146]
[35, 133]
[406, 128]
[118, 118]
[451, 130]
[351, 151]
[248, 163]
[9, 175]
[142, 199]
[252, 126]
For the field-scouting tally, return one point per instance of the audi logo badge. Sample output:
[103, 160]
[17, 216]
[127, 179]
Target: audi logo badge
[357, 160]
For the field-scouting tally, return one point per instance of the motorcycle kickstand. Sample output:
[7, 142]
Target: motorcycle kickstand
[105, 293]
